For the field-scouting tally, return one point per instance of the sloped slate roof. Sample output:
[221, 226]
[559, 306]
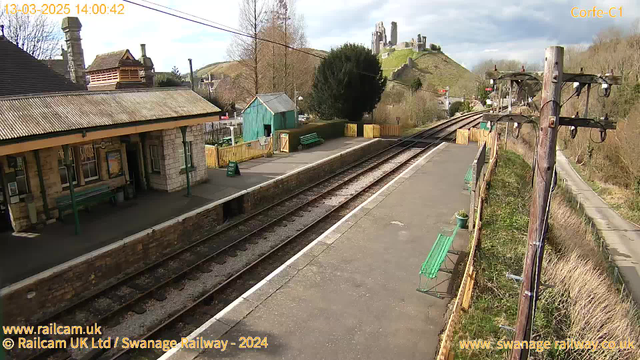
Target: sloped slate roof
[112, 60]
[21, 73]
[40, 114]
[57, 65]
[275, 102]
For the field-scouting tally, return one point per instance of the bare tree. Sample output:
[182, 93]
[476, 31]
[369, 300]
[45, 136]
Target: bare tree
[286, 70]
[244, 49]
[38, 35]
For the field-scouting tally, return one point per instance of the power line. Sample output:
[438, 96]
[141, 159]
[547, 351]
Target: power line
[226, 28]
[218, 27]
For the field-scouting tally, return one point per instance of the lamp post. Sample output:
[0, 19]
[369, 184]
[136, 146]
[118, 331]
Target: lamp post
[297, 98]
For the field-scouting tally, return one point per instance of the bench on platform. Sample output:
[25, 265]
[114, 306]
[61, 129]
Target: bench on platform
[310, 140]
[84, 197]
[433, 264]
[468, 178]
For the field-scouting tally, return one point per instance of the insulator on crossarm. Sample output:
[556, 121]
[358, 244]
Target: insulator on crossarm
[573, 132]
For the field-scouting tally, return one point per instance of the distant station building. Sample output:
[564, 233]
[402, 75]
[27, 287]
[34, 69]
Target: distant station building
[55, 137]
[120, 70]
[266, 114]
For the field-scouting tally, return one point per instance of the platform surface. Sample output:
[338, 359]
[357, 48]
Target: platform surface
[352, 293]
[26, 254]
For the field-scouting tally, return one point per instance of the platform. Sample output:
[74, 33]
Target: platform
[25, 254]
[352, 292]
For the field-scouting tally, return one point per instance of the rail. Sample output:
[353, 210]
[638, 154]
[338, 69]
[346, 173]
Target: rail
[403, 144]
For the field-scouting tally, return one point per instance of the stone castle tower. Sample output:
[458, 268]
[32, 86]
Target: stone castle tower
[379, 37]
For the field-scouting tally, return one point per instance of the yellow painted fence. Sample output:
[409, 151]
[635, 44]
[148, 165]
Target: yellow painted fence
[218, 157]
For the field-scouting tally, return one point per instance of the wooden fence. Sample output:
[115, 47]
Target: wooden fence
[463, 300]
[371, 131]
[389, 130]
[350, 130]
[220, 156]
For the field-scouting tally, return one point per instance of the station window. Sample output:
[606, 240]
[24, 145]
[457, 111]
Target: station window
[18, 184]
[89, 162]
[64, 175]
[181, 154]
[154, 152]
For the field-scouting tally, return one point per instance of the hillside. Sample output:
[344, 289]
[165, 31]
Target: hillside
[232, 68]
[435, 69]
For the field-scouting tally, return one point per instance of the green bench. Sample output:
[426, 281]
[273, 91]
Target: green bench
[468, 177]
[310, 140]
[433, 264]
[84, 198]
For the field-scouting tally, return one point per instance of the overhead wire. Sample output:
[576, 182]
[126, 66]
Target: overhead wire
[229, 29]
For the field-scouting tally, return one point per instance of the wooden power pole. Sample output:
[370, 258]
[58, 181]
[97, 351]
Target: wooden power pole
[543, 175]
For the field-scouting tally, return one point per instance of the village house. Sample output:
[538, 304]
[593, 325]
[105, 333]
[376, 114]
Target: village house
[62, 147]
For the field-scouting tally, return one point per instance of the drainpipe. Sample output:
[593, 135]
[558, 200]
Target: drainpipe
[69, 166]
[183, 129]
[43, 189]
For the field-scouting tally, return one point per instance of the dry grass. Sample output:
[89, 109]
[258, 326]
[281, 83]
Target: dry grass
[584, 303]
[413, 110]
[571, 236]
[578, 269]
[595, 311]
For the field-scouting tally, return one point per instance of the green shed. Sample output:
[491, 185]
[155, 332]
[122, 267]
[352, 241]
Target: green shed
[266, 114]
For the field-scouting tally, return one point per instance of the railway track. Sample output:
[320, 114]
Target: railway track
[164, 296]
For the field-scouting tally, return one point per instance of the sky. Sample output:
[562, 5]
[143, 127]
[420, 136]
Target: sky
[468, 31]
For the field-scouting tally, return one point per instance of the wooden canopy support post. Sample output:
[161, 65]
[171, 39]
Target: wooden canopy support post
[143, 143]
[71, 171]
[183, 129]
[43, 188]
[543, 175]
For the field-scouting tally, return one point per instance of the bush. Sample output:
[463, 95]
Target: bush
[348, 83]
[454, 107]
[325, 130]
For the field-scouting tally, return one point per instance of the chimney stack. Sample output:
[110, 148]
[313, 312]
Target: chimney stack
[149, 72]
[71, 27]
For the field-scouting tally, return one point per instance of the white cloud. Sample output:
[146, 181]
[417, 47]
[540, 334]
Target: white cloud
[468, 31]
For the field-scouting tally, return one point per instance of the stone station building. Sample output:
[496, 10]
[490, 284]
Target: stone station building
[102, 142]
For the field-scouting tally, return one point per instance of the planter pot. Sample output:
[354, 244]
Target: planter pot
[462, 221]
[119, 196]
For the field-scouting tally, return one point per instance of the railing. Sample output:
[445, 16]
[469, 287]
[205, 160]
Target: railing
[214, 133]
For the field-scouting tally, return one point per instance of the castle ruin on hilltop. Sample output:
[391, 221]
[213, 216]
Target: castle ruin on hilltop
[379, 40]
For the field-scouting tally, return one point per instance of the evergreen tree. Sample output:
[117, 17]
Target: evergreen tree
[347, 84]
[416, 85]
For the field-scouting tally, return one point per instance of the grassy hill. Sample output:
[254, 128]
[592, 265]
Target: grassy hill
[232, 68]
[435, 69]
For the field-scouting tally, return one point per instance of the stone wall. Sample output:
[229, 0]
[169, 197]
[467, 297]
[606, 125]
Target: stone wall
[171, 176]
[174, 157]
[51, 176]
[77, 279]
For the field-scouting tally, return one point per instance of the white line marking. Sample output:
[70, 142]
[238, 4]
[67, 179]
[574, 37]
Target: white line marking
[242, 297]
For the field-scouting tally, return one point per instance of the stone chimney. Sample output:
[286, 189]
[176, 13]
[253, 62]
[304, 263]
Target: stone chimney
[71, 27]
[149, 73]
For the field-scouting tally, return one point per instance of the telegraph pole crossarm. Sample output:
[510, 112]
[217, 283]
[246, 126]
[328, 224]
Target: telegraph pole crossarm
[548, 123]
